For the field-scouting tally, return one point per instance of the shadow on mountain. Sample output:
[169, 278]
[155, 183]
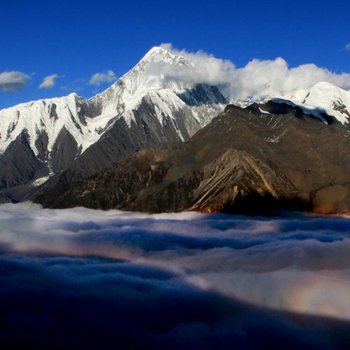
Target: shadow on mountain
[266, 205]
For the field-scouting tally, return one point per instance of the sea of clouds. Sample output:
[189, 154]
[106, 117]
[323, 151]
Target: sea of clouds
[85, 278]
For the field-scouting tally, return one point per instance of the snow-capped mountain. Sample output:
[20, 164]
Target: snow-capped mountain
[322, 101]
[334, 100]
[142, 108]
[87, 120]
[49, 117]
[145, 82]
[153, 103]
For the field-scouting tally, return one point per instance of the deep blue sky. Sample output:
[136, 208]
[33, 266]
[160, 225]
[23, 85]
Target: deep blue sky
[76, 39]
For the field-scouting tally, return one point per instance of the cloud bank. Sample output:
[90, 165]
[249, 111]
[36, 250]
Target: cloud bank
[12, 80]
[102, 78]
[172, 280]
[257, 80]
[218, 253]
[49, 81]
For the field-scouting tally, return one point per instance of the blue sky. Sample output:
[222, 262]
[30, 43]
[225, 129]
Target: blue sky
[77, 39]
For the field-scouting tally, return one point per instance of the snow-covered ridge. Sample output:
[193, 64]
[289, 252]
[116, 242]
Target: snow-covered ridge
[307, 109]
[334, 100]
[323, 98]
[50, 116]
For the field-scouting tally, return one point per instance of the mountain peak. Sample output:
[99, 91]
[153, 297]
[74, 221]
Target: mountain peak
[159, 54]
[149, 74]
[334, 100]
[157, 50]
[326, 86]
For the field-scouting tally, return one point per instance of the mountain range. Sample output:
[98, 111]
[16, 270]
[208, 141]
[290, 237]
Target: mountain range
[152, 142]
[43, 138]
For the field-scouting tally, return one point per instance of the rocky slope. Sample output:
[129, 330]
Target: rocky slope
[255, 160]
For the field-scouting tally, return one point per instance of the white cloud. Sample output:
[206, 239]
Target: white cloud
[204, 68]
[49, 81]
[12, 80]
[258, 79]
[347, 47]
[101, 78]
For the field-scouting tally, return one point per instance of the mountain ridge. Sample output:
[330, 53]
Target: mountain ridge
[244, 161]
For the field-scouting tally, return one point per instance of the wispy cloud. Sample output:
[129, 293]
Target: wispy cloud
[49, 81]
[347, 47]
[257, 80]
[13, 80]
[101, 78]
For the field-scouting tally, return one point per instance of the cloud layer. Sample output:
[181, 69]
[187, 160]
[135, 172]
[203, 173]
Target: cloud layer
[49, 81]
[12, 80]
[178, 279]
[102, 78]
[257, 80]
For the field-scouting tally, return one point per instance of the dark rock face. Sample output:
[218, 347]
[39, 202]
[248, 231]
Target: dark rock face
[245, 161]
[64, 151]
[19, 163]
[121, 141]
[202, 94]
